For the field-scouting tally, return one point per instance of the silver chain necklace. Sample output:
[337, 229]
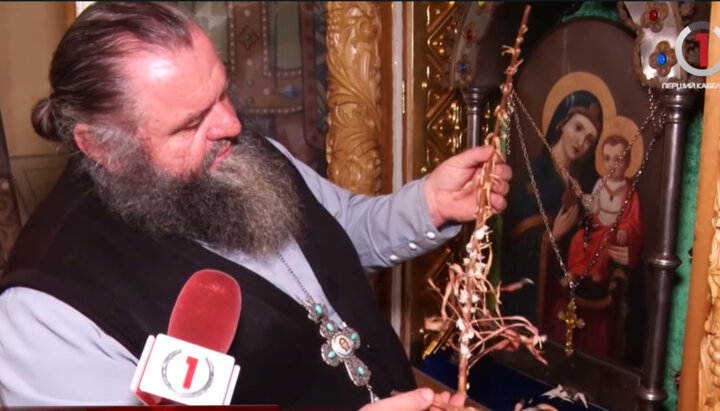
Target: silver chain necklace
[341, 341]
[569, 315]
[651, 119]
[553, 242]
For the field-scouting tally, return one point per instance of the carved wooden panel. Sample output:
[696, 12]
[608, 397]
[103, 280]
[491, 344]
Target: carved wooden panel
[435, 130]
[445, 119]
[710, 345]
[354, 120]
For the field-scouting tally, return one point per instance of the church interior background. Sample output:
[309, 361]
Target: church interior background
[376, 94]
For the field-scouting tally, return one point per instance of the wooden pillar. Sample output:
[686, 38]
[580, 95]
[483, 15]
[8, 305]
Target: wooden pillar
[696, 386]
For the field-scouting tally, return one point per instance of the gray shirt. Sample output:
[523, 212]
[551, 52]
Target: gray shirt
[51, 354]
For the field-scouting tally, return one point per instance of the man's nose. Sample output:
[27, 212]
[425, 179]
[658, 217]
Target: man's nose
[225, 123]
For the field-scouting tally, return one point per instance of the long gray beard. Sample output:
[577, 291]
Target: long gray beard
[248, 204]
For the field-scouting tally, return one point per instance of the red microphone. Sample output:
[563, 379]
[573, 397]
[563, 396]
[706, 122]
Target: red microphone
[189, 365]
[207, 310]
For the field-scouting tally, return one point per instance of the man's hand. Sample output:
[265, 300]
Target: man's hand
[420, 399]
[448, 190]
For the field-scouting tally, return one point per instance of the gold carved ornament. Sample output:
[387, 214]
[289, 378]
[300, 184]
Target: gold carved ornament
[353, 61]
[709, 383]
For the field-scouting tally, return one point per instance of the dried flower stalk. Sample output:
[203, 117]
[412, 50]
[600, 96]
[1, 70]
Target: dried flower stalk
[470, 302]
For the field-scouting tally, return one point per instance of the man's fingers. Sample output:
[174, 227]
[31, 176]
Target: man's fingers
[502, 171]
[457, 399]
[451, 401]
[498, 203]
[440, 399]
[473, 157]
[500, 187]
[416, 400]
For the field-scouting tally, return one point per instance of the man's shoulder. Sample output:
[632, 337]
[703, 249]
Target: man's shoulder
[68, 215]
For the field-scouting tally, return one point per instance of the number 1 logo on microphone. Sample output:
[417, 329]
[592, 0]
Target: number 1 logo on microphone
[191, 383]
[185, 373]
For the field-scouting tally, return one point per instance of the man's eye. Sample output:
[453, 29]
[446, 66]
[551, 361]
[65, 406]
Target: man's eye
[192, 126]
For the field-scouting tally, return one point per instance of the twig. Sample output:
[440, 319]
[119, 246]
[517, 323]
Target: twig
[470, 302]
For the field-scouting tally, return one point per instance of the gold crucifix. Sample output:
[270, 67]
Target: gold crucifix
[572, 321]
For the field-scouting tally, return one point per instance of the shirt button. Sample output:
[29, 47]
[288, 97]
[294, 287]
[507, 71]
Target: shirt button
[412, 246]
[393, 257]
[430, 235]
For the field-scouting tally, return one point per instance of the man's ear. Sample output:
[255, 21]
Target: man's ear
[84, 139]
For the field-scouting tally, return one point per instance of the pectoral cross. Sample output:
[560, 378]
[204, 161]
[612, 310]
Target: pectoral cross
[572, 321]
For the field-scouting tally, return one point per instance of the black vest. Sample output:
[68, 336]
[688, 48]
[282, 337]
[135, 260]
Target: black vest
[126, 282]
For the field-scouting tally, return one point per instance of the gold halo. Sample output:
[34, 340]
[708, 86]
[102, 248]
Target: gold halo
[575, 81]
[627, 129]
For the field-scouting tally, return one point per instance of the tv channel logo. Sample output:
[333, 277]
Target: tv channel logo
[698, 32]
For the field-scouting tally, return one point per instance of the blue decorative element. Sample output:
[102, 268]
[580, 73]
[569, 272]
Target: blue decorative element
[318, 309]
[353, 336]
[290, 91]
[361, 371]
[331, 355]
[330, 327]
[661, 59]
[462, 67]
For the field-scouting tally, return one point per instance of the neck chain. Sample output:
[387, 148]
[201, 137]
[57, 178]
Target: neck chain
[587, 199]
[569, 316]
[341, 341]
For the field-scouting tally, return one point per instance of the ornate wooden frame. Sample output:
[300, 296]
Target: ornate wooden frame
[700, 375]
[353, 147]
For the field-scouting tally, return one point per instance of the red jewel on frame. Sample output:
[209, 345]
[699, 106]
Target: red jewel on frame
[653, 15]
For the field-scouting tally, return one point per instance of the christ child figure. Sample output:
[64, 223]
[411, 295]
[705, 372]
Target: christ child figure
[606, 208]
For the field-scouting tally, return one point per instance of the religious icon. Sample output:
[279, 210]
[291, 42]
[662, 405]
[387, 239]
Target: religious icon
[581, 131]
[572, 122]
[609, 246]
[341, 345]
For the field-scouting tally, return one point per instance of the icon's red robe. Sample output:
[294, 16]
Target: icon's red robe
[601, 316]
[630, 222]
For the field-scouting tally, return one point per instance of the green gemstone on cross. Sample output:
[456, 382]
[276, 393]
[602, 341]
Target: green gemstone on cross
[353, 336]
[330, 327]
[248, 37]
[318, 309]
[331, 355]
[361, 371]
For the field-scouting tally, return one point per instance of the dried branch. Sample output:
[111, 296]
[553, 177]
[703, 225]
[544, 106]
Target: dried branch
[470, 301]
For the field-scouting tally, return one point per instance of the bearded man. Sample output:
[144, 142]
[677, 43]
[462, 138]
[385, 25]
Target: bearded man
[162, 182]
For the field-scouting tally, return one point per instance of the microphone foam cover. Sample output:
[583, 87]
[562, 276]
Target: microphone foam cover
[207, 310]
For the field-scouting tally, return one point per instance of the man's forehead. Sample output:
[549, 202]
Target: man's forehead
[153, 63]
[150, 64]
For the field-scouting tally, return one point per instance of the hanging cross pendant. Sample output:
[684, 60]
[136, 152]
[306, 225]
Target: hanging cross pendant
[340, 346]
[572, 321]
